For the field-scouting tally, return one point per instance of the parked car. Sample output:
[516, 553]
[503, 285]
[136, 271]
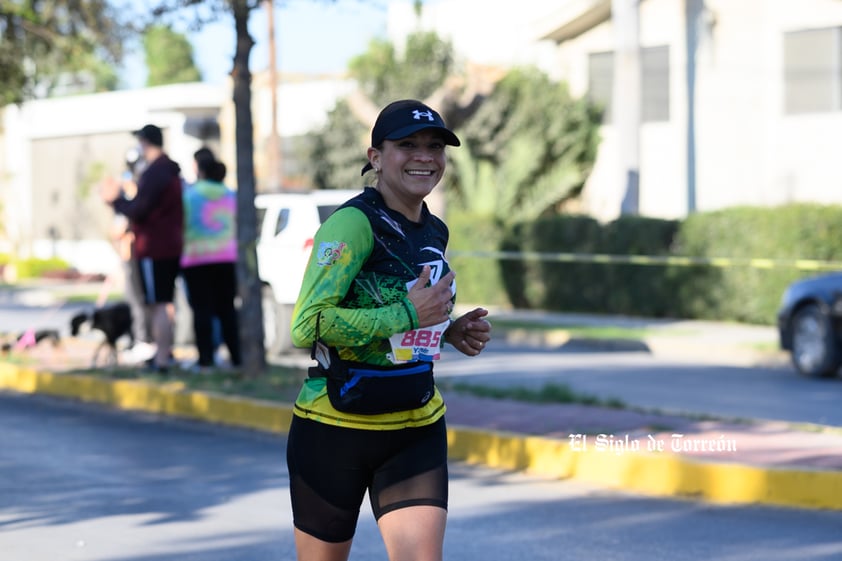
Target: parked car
[286, 224]
[810, 324]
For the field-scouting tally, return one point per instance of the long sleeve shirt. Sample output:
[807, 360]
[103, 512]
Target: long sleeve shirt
[365, 258]
[155, 214]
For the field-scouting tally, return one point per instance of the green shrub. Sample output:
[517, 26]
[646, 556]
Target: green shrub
[34, 267]
[735, 292]
[588, 286]
[478, 280]
[639, 289]
[568, 286]
[743, 293]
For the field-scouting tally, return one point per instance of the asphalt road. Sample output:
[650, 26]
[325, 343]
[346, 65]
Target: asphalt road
[666, 384]
[81, 483]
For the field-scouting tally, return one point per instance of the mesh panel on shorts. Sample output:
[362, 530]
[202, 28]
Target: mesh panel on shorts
[317, 517]
[427, 488]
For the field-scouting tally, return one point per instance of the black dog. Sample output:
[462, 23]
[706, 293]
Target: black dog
[114, 321]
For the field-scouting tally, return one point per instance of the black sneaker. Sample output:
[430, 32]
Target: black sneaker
[149, 367]
[151, 361]
[196, 368]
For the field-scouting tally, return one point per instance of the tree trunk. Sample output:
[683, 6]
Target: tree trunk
[251, 312]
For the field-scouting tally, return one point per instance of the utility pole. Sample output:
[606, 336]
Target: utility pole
[274, 160]
[626, 100]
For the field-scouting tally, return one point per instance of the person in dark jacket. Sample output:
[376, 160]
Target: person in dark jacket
[156, 218]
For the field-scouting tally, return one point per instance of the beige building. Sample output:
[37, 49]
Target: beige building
[761, 127]
[302, 104]
[53, 153]
[765, 112]
[762, 124]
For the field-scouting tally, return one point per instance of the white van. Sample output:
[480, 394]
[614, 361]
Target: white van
[286, 224]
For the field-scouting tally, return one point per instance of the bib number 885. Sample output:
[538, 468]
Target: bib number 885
[421, 338]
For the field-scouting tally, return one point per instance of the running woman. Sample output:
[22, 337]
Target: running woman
[375, 307]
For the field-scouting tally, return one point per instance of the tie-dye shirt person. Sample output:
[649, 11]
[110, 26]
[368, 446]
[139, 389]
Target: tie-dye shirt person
[210, 226]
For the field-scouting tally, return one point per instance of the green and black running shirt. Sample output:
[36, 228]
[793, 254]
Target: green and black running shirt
[365, 259]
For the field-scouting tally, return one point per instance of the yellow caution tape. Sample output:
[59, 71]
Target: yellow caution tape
[680, 261]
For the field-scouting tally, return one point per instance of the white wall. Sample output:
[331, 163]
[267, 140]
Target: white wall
[84, 117]
[303, 103]
[803, 150]
[663, 159]
[489, 32]
[748, 151]
[15, 179]
[303, 106]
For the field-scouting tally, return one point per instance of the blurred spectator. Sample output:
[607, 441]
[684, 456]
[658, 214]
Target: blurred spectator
[156, 219]
[209, 259]
[123, 240]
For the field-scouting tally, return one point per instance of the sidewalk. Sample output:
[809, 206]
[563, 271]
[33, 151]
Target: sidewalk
[701, 341]
[664, 455]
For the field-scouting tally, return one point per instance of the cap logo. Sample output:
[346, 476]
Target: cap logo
[416, 114]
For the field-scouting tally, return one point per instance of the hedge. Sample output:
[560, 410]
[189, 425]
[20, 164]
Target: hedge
[739, 293]
[597, 287]
[478, 281]
[32, 267]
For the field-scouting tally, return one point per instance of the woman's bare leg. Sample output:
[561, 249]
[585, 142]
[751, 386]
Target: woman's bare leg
[309, 548]
[414, 533]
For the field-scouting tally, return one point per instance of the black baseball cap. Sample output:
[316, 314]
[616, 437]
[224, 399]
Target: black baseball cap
[151, 134]
[403, 118]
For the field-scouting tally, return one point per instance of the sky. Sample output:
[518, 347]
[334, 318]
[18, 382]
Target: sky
[313, 36]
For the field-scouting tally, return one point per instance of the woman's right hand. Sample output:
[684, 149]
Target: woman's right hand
[433, 304]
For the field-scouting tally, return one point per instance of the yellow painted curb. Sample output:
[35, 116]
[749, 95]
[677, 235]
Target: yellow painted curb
[167, 399]
[658, 474]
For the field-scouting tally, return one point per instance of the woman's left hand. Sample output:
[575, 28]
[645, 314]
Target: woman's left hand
[470, 333]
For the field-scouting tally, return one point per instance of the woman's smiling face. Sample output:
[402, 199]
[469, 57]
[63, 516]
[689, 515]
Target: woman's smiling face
[411, 167]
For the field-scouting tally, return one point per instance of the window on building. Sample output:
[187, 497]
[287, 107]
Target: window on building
[655, 81]
[600, 78]
[813, 70]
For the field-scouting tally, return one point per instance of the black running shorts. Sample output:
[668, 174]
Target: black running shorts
[157, 277]
[331, 468]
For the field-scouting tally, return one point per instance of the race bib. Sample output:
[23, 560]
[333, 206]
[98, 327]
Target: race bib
[422, 344]
[419, 344]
